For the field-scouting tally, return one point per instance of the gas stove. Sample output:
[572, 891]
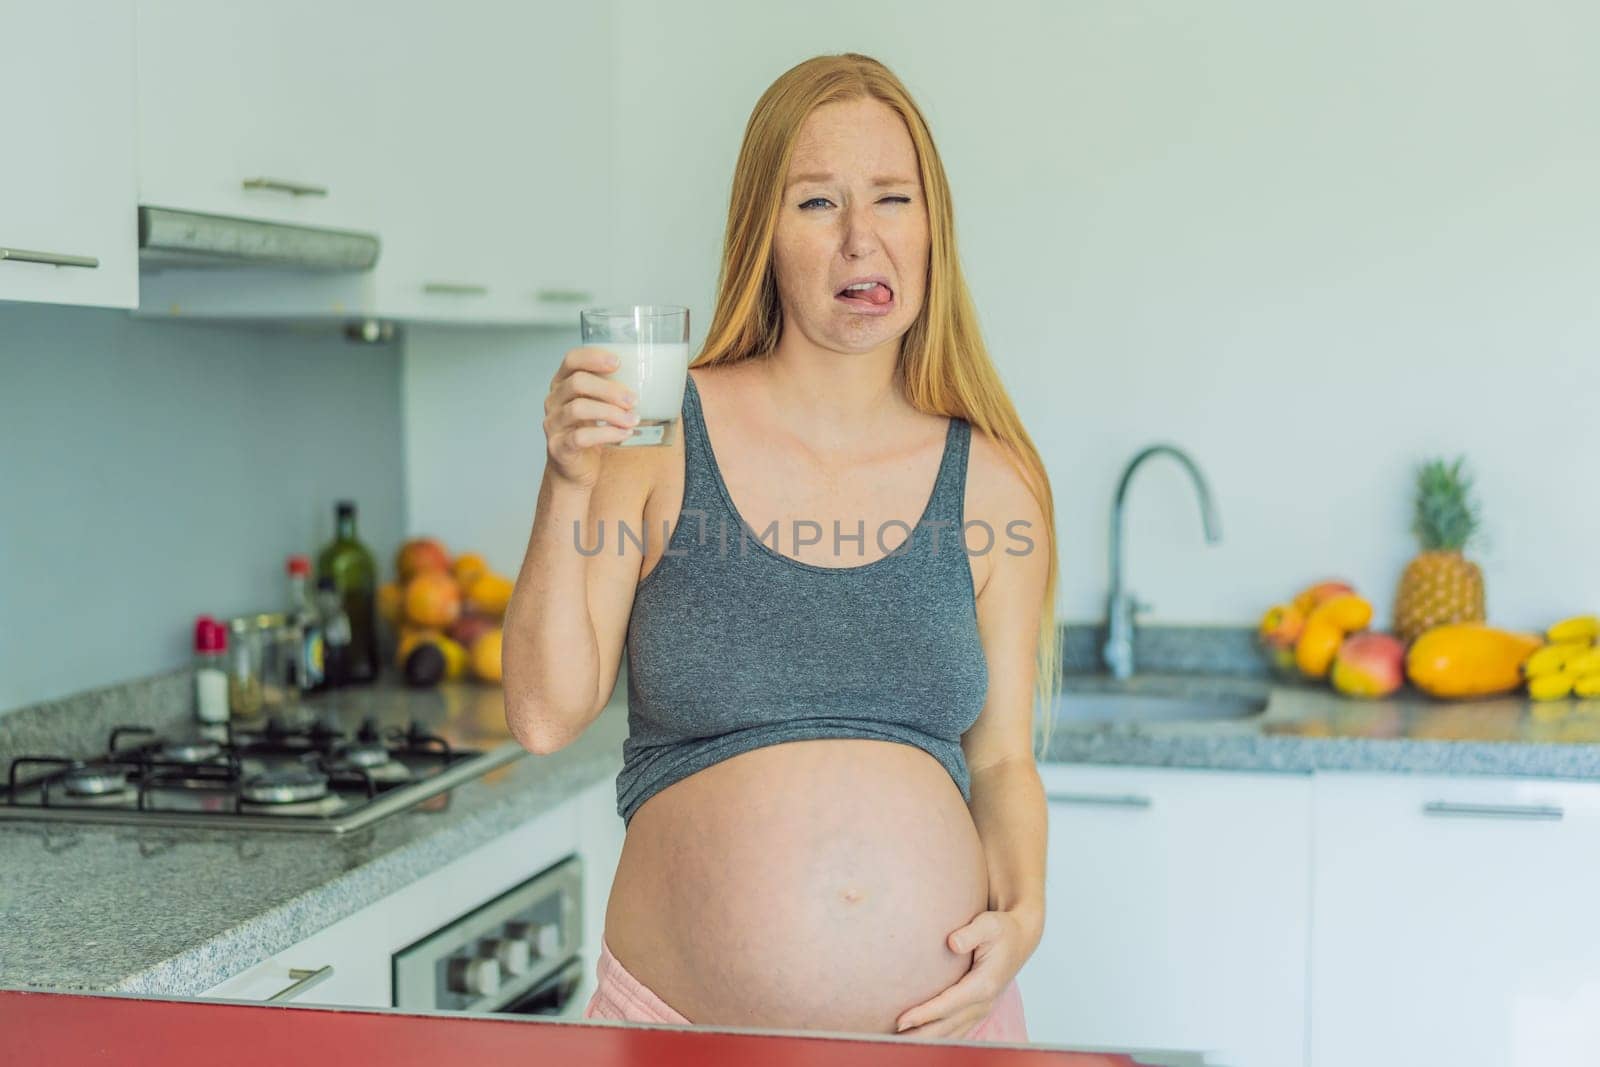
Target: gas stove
[309, 776]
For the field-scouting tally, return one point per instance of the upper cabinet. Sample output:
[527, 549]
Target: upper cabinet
[258, 110]
[68, 231]
[473, 138]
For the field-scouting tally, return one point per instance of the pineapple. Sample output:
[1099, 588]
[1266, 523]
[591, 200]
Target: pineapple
[1440, 586]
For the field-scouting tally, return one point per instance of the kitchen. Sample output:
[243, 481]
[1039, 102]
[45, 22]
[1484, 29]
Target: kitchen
[1310, 249]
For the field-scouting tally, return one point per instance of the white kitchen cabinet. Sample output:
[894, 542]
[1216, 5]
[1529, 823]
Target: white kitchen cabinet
[259, 110]
[1455, 922]
[67, 180]
[473, 138]
[360, 947]
[1177, 913]
[498, 122]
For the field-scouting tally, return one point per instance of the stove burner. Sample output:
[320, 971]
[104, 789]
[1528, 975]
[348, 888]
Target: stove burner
[94, 780]
[366, 754]
[286, 785]
[190, 751]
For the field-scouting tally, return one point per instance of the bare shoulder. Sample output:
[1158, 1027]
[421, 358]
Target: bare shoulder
[998, 495]
[996, 488]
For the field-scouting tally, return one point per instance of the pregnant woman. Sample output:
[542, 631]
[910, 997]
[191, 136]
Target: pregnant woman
[836, 619]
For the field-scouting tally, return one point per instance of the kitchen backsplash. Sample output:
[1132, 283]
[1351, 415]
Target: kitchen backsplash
[153, 470]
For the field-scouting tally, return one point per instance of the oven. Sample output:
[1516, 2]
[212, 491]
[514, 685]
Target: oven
[519, 953]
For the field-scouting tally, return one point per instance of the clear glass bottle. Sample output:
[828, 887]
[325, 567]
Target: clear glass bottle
[303, 614]
[355, 575]
[244, 667]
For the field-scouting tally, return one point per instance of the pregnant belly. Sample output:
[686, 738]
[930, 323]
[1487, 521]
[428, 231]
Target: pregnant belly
[806, 885]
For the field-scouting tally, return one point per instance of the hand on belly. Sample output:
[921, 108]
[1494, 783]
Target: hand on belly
[809, 885]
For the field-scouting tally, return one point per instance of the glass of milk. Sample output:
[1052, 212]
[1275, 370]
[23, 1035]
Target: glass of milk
[651, 343]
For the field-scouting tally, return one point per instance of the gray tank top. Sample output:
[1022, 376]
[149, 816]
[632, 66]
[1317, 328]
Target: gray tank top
[732, 645]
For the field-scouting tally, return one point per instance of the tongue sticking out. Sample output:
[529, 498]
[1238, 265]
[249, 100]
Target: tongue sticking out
[878, 294]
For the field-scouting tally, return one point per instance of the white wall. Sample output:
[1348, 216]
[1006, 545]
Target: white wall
[1309, 244]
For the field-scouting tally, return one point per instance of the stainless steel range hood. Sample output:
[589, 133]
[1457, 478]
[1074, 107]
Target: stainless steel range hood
[169, 238]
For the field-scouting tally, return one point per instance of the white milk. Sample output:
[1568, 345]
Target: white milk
[655, 371]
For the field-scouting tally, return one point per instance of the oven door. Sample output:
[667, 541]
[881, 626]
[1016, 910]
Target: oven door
[555, 997]
[517, 949]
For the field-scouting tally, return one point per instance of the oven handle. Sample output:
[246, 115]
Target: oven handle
[303, 980]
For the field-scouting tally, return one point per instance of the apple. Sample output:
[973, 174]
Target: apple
[1369, 665]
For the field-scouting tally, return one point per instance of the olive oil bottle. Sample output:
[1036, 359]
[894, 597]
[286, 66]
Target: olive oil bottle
[350, 565]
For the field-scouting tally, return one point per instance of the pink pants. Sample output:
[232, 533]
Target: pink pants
[621, 996]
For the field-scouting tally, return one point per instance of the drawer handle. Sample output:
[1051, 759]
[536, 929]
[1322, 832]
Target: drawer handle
[564, 296]
[54, 259]
[303, 980]
[1127, 800]
[278, 185]
[1493, 811]
[454, 288]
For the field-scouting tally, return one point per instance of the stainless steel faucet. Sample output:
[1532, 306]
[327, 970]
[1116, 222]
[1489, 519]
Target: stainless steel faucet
[1122, 606]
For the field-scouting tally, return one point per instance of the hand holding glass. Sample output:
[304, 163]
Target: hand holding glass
[651, 343]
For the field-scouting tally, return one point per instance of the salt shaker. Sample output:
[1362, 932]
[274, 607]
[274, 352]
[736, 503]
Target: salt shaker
[210, 670]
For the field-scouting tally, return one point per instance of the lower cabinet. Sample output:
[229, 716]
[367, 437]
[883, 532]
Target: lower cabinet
[1455, 922]
[349, 963]
[1177, 913]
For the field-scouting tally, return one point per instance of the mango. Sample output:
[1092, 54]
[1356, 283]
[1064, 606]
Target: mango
[1325, 630]
[1468, 659]
[1587, 686]
[1369, 665]
[1584, 664]
[1306, 601]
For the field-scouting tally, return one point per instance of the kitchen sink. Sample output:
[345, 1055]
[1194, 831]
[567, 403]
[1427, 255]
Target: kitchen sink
[1074, 706]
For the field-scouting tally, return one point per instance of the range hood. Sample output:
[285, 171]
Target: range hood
[169, 238]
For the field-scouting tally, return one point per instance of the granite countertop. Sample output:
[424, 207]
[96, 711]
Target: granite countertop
[1305, 728]
[175, 911]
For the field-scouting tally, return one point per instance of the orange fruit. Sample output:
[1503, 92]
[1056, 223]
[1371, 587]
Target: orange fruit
[484, 656]
[489, 594]
[432, 598]
[467, 567]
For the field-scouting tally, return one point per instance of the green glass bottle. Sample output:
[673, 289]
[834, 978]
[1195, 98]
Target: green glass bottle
[355, 577]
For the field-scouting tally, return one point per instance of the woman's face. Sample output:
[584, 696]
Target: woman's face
[852, 210]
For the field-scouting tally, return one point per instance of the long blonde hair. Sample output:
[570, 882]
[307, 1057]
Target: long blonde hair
[943, 361]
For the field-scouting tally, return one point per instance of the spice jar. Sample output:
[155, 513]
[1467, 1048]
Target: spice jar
[250, 659]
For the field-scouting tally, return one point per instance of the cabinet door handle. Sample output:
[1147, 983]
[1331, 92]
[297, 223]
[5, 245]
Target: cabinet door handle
[1493, 811]
[54, 259]
[278, 185]
[1126, 800]
[454, 288]
[303, 980]
[564, 296]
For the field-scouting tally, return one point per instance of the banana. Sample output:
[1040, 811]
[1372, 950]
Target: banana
[1587, 686]
[1577, 628]
[1552, 659]
[1550, 686]
[1584, 664]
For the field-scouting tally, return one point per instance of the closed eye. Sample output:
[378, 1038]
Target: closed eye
[883, 200]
